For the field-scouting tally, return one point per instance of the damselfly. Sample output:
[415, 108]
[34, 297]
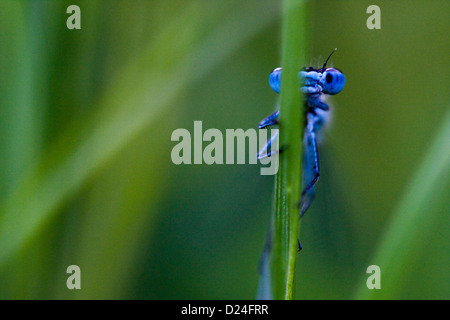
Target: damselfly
[315, 84]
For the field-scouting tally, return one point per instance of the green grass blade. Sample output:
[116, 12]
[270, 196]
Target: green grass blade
[414, 219]
[287, 187]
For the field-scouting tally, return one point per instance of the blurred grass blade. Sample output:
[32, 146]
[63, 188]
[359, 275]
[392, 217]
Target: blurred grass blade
[21, 59]
[137, 96]
[287, 182]
[414, 219]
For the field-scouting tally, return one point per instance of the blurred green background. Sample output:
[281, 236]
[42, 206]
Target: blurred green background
[86, 176]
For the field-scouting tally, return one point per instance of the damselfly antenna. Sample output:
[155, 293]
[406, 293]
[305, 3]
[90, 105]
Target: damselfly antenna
[325, 64]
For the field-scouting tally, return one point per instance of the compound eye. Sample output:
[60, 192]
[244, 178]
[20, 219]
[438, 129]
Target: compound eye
[275, 80]
[333, 81]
